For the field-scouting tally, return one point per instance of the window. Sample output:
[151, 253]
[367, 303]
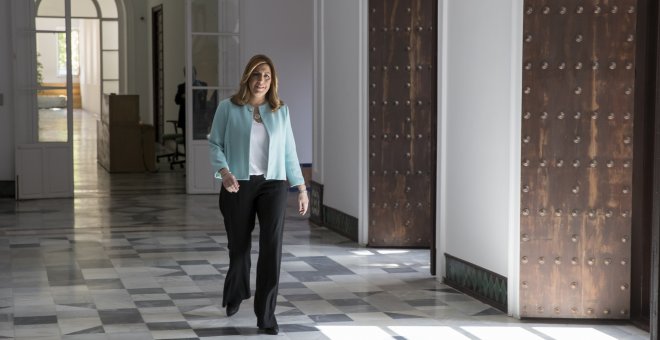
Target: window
[61, 53]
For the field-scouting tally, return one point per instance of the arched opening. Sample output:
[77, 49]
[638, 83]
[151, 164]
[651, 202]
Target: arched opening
[96, 54]
[95, 47]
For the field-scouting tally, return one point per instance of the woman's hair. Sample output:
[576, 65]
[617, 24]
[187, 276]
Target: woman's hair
[242, 97]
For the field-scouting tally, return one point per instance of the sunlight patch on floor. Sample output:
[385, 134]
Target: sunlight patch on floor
[459, 333]
[428, 332]
[354, 332]
[391, 251]
[363, 252]
[501, 333]
[570, 333]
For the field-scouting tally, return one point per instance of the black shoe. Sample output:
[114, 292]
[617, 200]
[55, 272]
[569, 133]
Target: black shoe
[270, 330]
[232, 308]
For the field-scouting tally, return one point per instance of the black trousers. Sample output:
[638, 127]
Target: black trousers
[265, 199]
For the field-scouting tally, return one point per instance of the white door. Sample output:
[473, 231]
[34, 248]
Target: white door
[43, 114]
[213, 55]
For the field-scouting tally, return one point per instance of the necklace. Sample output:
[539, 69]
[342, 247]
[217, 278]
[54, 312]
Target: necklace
[256, 115]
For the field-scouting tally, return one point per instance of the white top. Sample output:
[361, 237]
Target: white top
[258, 149]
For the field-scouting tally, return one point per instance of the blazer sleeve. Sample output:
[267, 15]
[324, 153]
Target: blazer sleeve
[293, 172]
[217, 145]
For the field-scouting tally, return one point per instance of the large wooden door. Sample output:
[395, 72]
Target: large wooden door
[577, 150]
[402, 122]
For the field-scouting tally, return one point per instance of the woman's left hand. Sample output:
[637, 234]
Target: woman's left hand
[303, 202]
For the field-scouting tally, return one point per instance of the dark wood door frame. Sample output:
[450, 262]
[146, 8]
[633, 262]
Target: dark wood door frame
[646, 213]
[652, 106]
[645, 84]
[157, 72]
[655, 234]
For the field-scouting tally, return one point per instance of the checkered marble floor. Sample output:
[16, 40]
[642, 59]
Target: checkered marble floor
[134, 266]
[133, 257]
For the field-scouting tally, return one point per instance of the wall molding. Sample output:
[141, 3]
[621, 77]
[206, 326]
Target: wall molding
[362, 233]
[318, 94]
[480, 283]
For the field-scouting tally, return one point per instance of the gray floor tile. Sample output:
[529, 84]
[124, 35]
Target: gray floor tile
[132, 257]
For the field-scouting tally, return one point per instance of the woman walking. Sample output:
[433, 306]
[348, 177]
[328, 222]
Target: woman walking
[253, 151]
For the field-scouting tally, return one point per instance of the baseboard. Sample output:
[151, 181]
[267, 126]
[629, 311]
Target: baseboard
[316, 203]
[7, 189]
[331, 218]
[340, 222]
[480, 283]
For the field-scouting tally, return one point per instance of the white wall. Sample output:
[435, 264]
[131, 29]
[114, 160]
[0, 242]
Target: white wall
[338, 121]
[23, 73]
[90, 72]
[478, 170]
[175, 57]
[479, 142]
[283, 30]
[6, 112]
[138, 59]
[139, 54]
[288, 42]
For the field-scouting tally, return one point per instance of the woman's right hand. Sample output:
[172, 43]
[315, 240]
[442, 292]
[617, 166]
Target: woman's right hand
[230, 183]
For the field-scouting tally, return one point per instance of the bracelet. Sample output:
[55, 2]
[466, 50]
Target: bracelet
[302, 191]
[223, 176]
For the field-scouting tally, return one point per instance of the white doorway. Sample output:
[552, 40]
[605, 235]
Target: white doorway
[66, 114]
[213, 52]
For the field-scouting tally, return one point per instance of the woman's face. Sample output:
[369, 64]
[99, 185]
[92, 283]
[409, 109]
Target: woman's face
[260, 81]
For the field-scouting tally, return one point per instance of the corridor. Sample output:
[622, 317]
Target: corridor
[134, 257]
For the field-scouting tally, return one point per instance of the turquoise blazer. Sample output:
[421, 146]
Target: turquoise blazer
[230, 142]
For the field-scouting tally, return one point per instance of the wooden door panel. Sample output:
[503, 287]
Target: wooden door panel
[402, 122]
[576, 174]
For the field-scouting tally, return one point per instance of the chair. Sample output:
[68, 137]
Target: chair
[178, 138]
